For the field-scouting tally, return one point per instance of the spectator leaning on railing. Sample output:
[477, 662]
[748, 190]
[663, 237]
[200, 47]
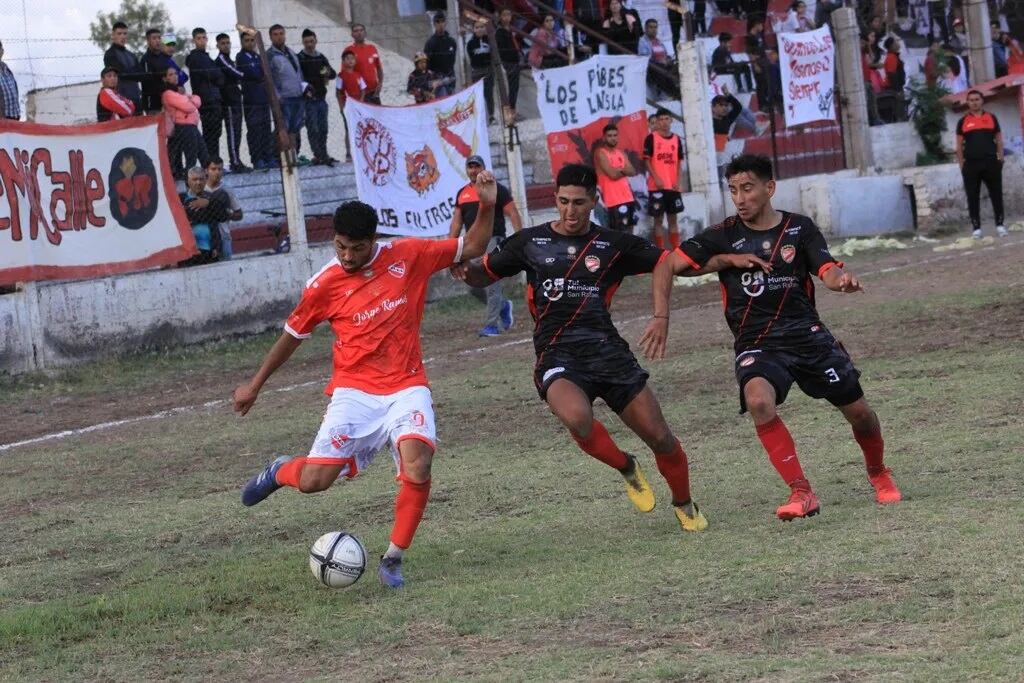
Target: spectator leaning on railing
[291, 89]
[207, 80]
[9, 97]
[111, 104]
[129, 71]
[204, 212]
[215, 188]
[317, 72]
[231, 101]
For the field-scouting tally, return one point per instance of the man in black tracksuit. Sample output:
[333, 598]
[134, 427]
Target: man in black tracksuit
[154, 66]
[231, 102]
[979, 149]
[207, 80]
[129, 72]
[255, 105]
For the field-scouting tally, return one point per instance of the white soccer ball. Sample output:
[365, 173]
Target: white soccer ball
[337, 559]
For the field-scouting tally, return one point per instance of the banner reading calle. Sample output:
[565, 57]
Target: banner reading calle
[576, 102]
[808, 76]
[410, 162]
[87, 201]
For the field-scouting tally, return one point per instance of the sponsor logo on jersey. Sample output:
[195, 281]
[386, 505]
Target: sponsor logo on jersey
[592, 263]
[368, 273]
[753, 282]
[788, 253]
[571, 250]
[747, 361]
[397, 269]
[815, 328]
[550, 259]
[766, 245]
[554, 288]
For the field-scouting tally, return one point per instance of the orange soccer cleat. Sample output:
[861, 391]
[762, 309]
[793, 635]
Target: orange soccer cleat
[886, 490]
[802, 503]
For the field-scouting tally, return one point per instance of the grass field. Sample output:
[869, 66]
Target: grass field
[127, 556]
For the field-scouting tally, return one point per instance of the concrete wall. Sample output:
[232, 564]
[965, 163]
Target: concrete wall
[939, 193]
[895, 145]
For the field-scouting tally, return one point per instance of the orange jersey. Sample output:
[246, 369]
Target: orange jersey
[375, 314]
[614, 192]
[663, 155]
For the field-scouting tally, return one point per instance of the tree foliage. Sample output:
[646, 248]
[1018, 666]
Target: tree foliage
[140, 15]
[929, 120]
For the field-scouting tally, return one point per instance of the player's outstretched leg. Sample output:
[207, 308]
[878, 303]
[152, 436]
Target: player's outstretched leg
[868, 432]
[759, 397]
[572, 406]
[643, 415]
[287, 471]
[414, 490]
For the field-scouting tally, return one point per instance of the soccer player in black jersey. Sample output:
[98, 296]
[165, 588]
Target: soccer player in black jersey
[573, 268]
[779, 337]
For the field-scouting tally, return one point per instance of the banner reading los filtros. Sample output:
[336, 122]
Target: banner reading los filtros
[808, 76]
[576, 102]
[87, 201]
[410, 162]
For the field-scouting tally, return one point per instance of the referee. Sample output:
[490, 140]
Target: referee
[979, 151]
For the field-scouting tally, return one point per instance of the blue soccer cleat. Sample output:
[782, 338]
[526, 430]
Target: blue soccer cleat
[506, 315]
[390, 572]
[490, 331]
[264, 483]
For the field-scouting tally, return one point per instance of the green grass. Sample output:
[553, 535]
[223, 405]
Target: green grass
[128, 556]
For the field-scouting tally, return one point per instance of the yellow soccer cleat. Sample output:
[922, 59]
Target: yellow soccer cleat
[637, 488]
[698, 522]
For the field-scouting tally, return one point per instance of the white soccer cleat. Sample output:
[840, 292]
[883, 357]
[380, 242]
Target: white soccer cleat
[1002, 231]
[976, 234]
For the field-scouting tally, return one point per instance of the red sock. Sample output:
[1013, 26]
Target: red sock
[673, 239]
[781, 451]
[288, 474]
[409, 506]
[674, 468]
[659, 241]
[873, 446]
[600, 445]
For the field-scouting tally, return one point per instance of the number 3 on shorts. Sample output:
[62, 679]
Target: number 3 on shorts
[832, 375]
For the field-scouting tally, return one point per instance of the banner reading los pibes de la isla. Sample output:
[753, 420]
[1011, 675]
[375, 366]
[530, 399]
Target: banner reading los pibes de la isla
[808, 76]
[87, 201]
[410, 162]
[576, 102]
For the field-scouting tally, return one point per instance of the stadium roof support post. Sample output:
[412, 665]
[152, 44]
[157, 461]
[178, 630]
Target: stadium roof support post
[852, 95]
[699, 128]
[979, 41]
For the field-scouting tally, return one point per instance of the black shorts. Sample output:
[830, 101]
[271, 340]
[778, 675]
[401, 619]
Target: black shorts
[823, 370]
[623, 216]
[664, 201]
[606, 370]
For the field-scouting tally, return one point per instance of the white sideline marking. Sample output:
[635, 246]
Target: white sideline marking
[170, 412]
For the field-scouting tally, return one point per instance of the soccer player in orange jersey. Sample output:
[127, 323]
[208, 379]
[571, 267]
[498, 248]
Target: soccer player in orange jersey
[372, 294]
[663, 152]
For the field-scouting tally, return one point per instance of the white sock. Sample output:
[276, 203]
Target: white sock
[394, 552]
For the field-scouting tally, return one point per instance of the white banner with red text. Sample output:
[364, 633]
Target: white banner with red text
[808, 76]
[410, 162]
[87, 201]
[576, 103]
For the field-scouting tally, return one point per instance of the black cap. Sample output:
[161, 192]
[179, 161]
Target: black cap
[477, 160]
[440, 17]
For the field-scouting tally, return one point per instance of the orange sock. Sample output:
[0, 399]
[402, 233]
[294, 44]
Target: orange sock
[676, 470]
[288, 474]
[659, 241]
[673, 239]
[781, 451]
[873, 447]
[600, 445]
[409, 506]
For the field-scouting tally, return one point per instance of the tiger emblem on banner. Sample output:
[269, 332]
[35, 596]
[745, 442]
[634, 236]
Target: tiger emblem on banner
[421, 170]
[458, 129]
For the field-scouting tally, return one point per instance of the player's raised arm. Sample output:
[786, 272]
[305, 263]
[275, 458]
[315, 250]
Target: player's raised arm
[479, 234]
[245, 395]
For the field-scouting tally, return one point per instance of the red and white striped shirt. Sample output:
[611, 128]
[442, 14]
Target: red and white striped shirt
[110, 104]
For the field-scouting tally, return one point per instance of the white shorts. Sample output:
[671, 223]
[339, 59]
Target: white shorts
[357, 425]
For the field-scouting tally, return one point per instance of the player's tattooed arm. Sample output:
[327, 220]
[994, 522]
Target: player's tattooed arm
[245, 395]
[838, 280]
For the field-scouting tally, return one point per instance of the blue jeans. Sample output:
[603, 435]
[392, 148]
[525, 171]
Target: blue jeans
[293, 109]
[316, 127]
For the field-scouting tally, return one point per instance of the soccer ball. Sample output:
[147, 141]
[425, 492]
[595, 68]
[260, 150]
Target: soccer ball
[337, 559]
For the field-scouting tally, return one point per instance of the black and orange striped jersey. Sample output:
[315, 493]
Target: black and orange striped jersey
[571, 279]
[767, 311]
[979, 134]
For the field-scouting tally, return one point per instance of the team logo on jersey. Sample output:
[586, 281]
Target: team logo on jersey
[339, 439]
[788, 253]
[378, 149]
[592, 263]
[421, 170]
[397, 269]
[747, 362]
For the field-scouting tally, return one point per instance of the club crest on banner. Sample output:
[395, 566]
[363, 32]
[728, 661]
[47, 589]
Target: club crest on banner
[421, 170]
[458, 130]
[375, 144]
